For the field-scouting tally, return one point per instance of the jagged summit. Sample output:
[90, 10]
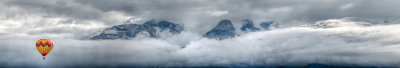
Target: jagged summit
[127, 31]
[223, 30]
[248, 25]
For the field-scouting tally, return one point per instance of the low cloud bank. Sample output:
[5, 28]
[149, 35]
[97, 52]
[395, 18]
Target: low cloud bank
[333, 41]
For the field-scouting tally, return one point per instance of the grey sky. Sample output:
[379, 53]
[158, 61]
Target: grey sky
[198, 13]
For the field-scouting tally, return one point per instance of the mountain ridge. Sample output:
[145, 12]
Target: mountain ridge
[128, 31]
[153, 28]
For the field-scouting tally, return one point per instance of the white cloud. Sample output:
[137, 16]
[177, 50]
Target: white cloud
[278, 12]
[120, 17]
[347, 6]
[217, 13]
[343, 22]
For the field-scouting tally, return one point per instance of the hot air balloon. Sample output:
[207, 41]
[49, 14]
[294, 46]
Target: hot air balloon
[44, 46]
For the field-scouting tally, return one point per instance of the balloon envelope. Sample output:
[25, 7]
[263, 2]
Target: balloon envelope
[44, 46]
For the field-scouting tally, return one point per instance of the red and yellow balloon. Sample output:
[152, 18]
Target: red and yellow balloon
[44, 46]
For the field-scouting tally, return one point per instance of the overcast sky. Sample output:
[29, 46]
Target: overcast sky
[91, 16]
[360, 32]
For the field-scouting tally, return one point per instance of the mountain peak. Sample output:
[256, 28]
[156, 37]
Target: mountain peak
[223, 30]
[266, 25]
[248, 25]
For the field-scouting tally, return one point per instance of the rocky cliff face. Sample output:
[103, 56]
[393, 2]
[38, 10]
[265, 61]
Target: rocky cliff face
[153, 28]
[223, 30]
[248, 26]
[266, 25]
[128, 31]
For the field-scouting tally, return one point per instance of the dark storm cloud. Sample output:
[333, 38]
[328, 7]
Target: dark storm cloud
[57, 8]
[310, 10]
